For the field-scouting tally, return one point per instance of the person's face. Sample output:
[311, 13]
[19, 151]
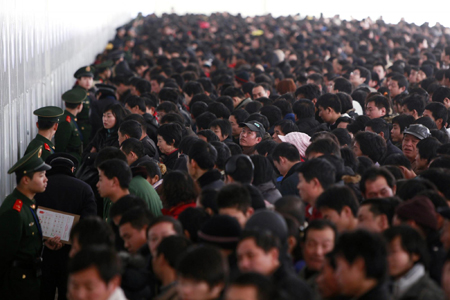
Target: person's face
[109, 120]
[235, 213]
[378, 188]
[380, 71]
[75, 247]
[134, 110]
[160, 114]
[374, 112]
[104, 184]
[334, 217]
[121, 137]
[85, 82]
[406, 111]
[276, 133]
[235, 129]
[155, 86]
[133, 238]
[394, 89]
[248, 138]
[355, 78]
[396, 134]
[357, 149]
[367, 220]
[348, 276]
[163, 146]
[445, 235]
[239, 292]
[325, 114]
[327, 282]
[409, 146]
[157, 233]
[191, 289]
[306, 189]
[413, 76]
[330, 87]
[38, 183]
[251, 258]
[218, 132]
[259, 92]
[317, 244]
[87, 285]
[446, 279]
[399, 261]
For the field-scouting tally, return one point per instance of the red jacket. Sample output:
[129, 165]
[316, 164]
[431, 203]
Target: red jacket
[176, 210]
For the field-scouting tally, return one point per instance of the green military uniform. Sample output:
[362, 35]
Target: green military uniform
[47, 113]
[83, 117]
[21, 237]
[68, 137]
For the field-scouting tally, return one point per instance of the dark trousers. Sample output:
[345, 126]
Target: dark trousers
[54, 273]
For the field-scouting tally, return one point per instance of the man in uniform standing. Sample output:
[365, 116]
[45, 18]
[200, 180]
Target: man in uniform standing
[20, 231]
[47, 124]
[68, 137]
[85, 80]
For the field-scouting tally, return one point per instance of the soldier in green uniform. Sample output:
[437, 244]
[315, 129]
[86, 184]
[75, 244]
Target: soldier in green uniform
[20, 231]
[68, 137]
[47, 124]
[103, 72]
[85, 80]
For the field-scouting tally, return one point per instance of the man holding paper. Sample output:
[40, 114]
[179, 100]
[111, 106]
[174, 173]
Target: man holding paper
[20, 232]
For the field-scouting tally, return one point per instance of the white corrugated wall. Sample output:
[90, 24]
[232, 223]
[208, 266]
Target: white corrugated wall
[42, 43]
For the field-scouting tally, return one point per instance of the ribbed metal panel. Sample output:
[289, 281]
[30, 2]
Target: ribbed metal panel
[42, 43]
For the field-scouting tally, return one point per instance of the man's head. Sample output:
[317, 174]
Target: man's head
[377, 183]
[136, 105]
[378, 126]
[235, 200]
[399, 124]
[167, 254]
[411, 136]
[360, 75]
[222, 128]
[239, 168]
[133, 149]
[413, 105]
[133, 228]
[315, 176]
[303, 109]
[237, 117]
[114, 175]
[202, 157]
[377, 107]
[260, 90]
[419, 213]
[371, 145]
[329, 107]
[426, 152]
[160, 228]
[202, 273]
[251, 134]
[341, 84]
[406, 248]
[235, 93]
[397, 85]
[361, 257]
[376, 214]
[319, 239]
[94, 273]
[129, 129]
[323, 146]
[339, 205]
[250, 286]
[437, 112]
[442, 95]
[284, 156]
[258, 251]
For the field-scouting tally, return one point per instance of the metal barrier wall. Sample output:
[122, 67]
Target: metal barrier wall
[42, 43]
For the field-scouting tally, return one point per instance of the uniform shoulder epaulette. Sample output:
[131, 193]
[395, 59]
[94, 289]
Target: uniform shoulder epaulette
[68, 119]
[18, 205]
[47, 147]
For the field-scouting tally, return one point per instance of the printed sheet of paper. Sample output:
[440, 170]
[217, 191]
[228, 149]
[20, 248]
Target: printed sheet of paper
[56, 223]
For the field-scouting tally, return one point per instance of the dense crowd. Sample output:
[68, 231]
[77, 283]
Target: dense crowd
[225, 157]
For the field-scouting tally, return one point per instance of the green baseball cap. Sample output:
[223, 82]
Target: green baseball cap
[49, 113]
[32, 162]
[74, 96]
[87, 71]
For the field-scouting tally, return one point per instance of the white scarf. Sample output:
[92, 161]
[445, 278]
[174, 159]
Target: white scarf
[401, 285]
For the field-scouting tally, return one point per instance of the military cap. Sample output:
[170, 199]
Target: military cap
[49, 113]
[116, 55]
[104, 65]
[87, 71]
[74, 96]
[32, 162]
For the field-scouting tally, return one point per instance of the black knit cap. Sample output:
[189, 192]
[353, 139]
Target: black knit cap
[222, 231]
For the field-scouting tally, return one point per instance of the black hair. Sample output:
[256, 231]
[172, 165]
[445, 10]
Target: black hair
[372, 145]
[133, 145]
[272, 113]
[233, 92]
[284, 105]
[223, 154]
[118, 111]
[343, 136]
[263, 285]
[379, 125]
[427, 148]
[72, 105]
[92, 231]
[287, 150]
[119, 169]
[372, 173]
[172, 247]
[397, 159]
[253, 107]
[203, 263]
[329, 100]
[108, 153]
[204, 154]
[224, 125]
[358, 125]
[227, 101]
[209, 135]
[411, 240]
[219, 110]
[264, 239]
[104, 259]
[266, 147]
[240, 115]
[204, 120]
[440, 177]
[427, 122]
[308, 91]
[240, 168]
[415, 102]
[368, 246]
[177, 227]
[403, 121]
[320, 224]
[133, 101]
[303, 109]
[439, 111]
[192, 88]
[168, 107]
[178, 187]
[200, 98]
[342, 84]
[171, 133]
[263, 170]
[198, 108]
[137, 217]
[337, 197]
[44, 124]
[346, 102]
[131, 128]
[325, 146]
[441, 93]
[382, 206]
[380, 102]
[286, 126]
[126, 203]
[169, 95]
[319, 168]
[234, 196]
[402, 81]
[192, 219]
[172, 118]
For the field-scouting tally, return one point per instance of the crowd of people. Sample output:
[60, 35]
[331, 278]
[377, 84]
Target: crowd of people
[223, 157]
